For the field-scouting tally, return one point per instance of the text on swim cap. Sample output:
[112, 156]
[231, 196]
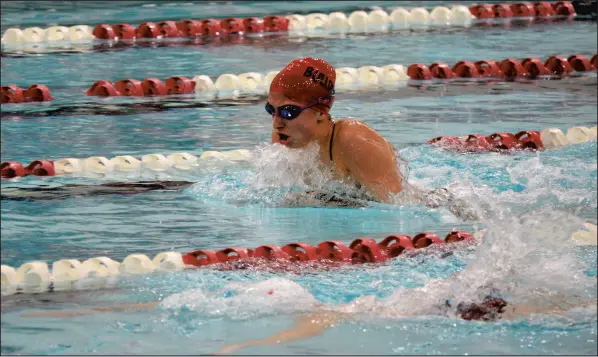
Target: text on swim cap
[318, 77]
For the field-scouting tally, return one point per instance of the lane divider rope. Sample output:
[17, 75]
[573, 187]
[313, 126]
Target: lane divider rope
[35, 276]
[124, 163]
[550, 138]
[347, 78]
[335, 22]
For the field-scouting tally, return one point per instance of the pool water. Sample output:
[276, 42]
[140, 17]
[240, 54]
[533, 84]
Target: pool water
[532, 202]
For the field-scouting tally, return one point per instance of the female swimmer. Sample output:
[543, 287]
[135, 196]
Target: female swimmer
[300, 98]
[299, 102]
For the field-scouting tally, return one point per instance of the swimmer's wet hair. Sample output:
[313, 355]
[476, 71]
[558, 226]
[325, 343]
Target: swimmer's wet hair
[489, 310]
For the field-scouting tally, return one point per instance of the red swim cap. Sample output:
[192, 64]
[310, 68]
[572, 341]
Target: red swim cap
[305, 81]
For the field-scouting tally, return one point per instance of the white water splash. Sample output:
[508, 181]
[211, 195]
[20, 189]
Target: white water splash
[246, 300]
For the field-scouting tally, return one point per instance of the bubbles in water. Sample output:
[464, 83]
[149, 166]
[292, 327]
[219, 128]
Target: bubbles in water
[245, 300]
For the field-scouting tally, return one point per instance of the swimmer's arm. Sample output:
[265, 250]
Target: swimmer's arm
[513, 311]
[91, 311]
[305, 326]
[371, 163]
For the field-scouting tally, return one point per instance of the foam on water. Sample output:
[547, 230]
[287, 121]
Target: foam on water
[245, 300]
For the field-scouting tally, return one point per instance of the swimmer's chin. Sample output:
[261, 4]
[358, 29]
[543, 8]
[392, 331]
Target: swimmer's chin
[289, 143]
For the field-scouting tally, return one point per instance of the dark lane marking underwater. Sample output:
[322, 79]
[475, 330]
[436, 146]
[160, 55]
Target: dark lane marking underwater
[71, 190]
[33, 194]
[21, 301]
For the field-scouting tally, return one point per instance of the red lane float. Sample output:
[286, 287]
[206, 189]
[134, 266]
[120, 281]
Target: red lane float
[580, 63]
[502, 10]
[419, 72]
[503, 141]
[233, 254]
[179, 85]
[301, 252]
[458, 236]
[563, 8]
[189, 28]
[293, 256]
[102, 89]
[509, 68]
[210, 27]
[476, 143]
[270, 252]
[232, 25]
[366, 250]
[124, 31]
[40, 168]
[200, 258]
[496, 142]
[534, 67]
[465, 69]
[529, 139]
[441, 70]
[276, 23]
[127, 87]
[147, 87]
[334, 251]
[35, 93]
[524, 9]
[153, 87]
[488, 68]
[426, 239]
[543, 9]
[482, 11]
[12, 94]
[11, 169]
[395, 245]
[557, 65]
[253, 25]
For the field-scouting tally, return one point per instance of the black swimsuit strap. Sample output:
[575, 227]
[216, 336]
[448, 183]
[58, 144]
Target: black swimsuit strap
[331, 138]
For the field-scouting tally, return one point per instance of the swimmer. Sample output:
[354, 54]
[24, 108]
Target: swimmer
[313, 324]
[300, 99]
[314, 317]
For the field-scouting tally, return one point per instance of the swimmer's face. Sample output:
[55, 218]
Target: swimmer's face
[295, 133]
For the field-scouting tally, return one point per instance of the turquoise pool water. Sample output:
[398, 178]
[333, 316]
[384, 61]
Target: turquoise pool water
[535, 200]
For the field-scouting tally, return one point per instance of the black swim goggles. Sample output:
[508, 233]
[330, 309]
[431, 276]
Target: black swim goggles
[292, 111]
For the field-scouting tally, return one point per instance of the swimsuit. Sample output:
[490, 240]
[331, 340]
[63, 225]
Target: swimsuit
[331, 139]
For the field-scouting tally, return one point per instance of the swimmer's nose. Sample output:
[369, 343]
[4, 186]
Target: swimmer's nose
[277, 121]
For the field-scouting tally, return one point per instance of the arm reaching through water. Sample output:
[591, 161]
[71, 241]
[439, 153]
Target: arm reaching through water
[314, 324]
[458, 207]
[305, 326]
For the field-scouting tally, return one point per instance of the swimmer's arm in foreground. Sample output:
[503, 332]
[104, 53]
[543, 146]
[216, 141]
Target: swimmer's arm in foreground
[370, 160]
[305, 326]
[316, 323]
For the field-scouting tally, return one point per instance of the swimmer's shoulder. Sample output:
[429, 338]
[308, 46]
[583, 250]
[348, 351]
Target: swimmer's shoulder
[353, 132]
